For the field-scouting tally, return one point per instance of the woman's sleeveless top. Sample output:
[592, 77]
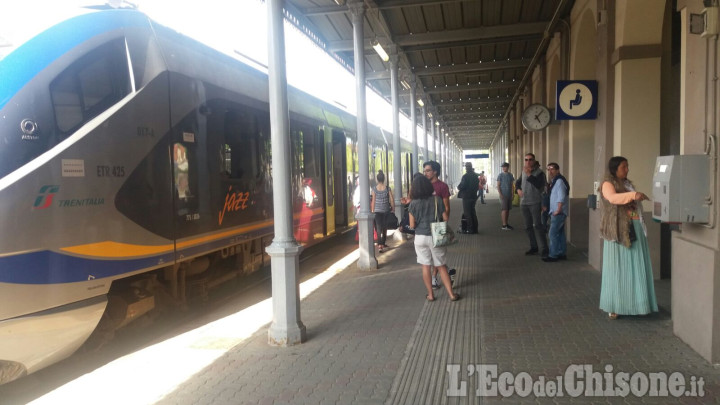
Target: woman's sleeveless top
[382, 200]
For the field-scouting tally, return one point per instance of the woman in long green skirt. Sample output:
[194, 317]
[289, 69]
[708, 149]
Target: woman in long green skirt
[627, 277]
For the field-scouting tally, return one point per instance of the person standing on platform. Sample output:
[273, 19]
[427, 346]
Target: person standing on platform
[559, 191]
[483, 187]
[532, 187]
[627, 277]
[467, 190]
[381, 204]
[505, 182]
[431, 170]
[423, 209]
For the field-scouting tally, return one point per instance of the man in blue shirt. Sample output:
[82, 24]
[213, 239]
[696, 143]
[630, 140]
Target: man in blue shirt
[559, 191]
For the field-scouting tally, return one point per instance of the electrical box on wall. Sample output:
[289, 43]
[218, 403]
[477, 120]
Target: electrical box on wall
[680, 188]
[710, 19]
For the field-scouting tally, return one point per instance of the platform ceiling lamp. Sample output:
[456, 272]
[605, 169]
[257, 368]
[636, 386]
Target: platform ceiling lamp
[340, 2]
[420, 102]
[380, 51]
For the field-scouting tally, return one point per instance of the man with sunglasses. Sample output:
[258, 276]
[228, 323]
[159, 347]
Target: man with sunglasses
[532, 187]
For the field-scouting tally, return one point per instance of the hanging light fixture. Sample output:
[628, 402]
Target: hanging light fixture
[380, 51]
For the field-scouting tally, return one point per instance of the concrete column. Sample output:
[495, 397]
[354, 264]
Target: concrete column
[443, 154]
[436, 130]
[286, 328]
[440, 154]
[397, 148]
[367, 260]
[429, 137]
[425, 137]
[603, 149]
[413, 120]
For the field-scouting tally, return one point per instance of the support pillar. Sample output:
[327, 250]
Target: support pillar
[429, 138]
[413, 120]
[397, 148]
[441, 149]
[425, 138]
[286, 328]
[367, 259]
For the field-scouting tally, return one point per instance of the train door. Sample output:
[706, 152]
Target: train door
[188, 161]
[329, 174]
[339, 168]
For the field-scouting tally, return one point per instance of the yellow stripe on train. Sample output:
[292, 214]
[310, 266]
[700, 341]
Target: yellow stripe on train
[124, 250]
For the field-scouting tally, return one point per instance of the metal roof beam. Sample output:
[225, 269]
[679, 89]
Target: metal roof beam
[472, 67]
[469, 87]
[492, 34]
[388, 4]
[384, 5]
[477, 121]
[454, 69]
[323, 10]
[470, 113]
[472, 42]
[452, 103]
[465, 34]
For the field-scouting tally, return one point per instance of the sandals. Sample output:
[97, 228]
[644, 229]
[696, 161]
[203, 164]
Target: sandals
[612, 315]
[454, 298]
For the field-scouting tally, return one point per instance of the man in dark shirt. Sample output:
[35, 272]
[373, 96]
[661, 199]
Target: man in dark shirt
[468, 189]
[531, 190]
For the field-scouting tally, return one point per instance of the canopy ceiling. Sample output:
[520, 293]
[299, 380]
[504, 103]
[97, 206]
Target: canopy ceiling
[469, 58]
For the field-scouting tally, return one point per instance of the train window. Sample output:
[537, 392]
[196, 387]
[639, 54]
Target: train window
[241, 135]
[66, 100]
[226, 160]
[89, 86]
[182, 171]
[305, 164]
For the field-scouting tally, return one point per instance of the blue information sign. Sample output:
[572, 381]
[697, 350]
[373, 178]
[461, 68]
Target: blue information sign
[576, 100]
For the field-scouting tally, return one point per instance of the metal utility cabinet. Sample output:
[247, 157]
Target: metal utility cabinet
[681, 189]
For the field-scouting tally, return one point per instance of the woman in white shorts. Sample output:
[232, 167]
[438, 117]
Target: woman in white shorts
[422, 212]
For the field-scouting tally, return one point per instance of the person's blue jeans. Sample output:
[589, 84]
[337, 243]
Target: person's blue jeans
[558, 244]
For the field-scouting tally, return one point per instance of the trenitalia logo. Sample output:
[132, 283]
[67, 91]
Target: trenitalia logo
[45, 197]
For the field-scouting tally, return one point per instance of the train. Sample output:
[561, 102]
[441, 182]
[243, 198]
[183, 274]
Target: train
[136, 168]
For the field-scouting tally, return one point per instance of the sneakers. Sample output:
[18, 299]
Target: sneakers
[507, 228]
[435, 284]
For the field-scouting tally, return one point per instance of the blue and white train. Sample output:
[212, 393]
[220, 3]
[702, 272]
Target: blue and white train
[132, 160]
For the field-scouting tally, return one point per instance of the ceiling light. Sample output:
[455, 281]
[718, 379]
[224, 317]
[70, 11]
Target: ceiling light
[419, 101]
[405, 84]
[380, 51]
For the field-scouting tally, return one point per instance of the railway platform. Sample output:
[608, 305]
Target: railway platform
[372, 338]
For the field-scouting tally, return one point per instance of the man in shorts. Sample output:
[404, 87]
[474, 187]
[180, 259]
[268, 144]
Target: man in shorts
[505, 182]
[431, 170]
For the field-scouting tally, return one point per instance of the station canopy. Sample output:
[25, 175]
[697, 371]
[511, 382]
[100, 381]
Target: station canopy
[469, 58]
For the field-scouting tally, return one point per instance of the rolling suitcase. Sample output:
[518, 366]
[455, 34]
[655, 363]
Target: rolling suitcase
[463, 225]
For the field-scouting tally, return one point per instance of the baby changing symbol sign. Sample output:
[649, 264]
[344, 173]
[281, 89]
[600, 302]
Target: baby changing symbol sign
[576, 100]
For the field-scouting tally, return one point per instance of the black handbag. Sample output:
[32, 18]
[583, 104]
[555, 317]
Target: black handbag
[405, 224]
[391, 221]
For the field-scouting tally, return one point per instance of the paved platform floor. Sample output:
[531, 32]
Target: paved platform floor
[373, 339]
